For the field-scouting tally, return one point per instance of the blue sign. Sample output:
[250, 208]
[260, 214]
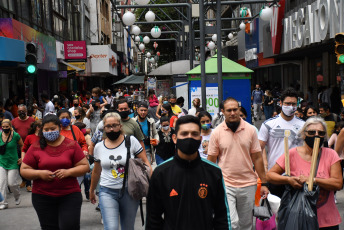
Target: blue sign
[12, 50]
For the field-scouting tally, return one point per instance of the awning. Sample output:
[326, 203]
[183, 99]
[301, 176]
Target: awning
[173, 68]
[132, 79]
[71, 66]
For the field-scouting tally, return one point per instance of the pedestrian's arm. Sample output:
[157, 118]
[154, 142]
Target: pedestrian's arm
[91, 148]
[104, 103]
[265, 157]
[94, 180]
[79, 169]
[155, 208]
[257, 160]
[144, 158]
[213, 148]
[335, 182]
[340, 142]
[222, 218]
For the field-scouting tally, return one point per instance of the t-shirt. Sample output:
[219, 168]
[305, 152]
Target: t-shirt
[331, 121]
[29, 141]
[166, 147]
[51, 158]
[22, 127]
[203, 148]
[257, 96]
[8, 115]
[144, 127]
[113, 162]
[272, 132]
[131, 128]
[86, 121]
[49, 108]
[80, 138]
[10, 158]
[172, 121]
[176, 109]
[328, 214]
[95, 119]
[233, 152]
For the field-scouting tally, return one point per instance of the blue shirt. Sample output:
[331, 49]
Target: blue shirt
[257, 96]
[144, 126]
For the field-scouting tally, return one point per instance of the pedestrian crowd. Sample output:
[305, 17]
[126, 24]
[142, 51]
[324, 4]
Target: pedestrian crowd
[205, 171]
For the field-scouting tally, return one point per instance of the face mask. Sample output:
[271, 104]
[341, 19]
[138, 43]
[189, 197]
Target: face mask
[65, 122]
[52, 135]
[165, 102]
[83, 131]
[188, 146]
[6, 130]
[112, 135]
[95, 107]
[124, 114]
[206, 126]
[165, 128]
[288, 110]
[172, 103]
[76, 105]
[310, 141]
[233, 125]
[77, 117]
[22, 115]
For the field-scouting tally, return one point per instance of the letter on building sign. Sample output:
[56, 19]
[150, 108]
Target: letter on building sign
[287, 33]
[334, 18]
[300, 27]
[277, 26]
[323, 18]
[294, 30]
[308, 35]
[316, 36]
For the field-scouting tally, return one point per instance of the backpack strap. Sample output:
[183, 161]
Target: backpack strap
[126, 167]
[71, 128]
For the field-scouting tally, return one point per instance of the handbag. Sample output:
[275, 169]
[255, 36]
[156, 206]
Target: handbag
[3, 147]
[265, 219]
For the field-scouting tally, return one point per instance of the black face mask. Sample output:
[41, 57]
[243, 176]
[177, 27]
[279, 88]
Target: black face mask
[310, 141]
[76, 105]
[95, 107]
[172, 103]
[6, 130]
[188, 145]
[112, 135]
[233, 125]
[22, 115]
[77, 117]
[124, 114]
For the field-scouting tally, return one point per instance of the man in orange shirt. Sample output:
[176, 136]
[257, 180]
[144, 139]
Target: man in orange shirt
[234, 145]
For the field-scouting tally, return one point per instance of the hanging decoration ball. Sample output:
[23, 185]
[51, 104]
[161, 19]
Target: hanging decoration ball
[214, 37]
[137, 38]
[128, 18]
[158, 53]
[155, 32]
[150, 16]
[230, 36]
[148, 55]
[266, 13]
[136, 30]
[211, 45]
[142, 2]
[206, 48]
[155, 45]
[142, 46]
[242, 26]
[152, 60]
[146, 39]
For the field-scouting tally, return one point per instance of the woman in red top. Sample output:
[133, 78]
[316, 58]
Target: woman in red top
[53, 164]
[166, 110]
[32, 136]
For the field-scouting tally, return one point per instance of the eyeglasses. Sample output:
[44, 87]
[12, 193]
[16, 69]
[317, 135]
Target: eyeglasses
[313, 132]
[114, 126]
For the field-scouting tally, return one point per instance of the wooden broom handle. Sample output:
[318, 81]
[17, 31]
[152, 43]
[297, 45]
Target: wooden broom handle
[286, 154]
[313, 163]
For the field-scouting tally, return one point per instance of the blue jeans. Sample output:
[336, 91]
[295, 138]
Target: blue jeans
[158, 159]
[268, 110]
[112, 207]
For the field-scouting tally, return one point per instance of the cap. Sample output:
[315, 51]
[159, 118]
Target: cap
[142, 104]
[56, 97]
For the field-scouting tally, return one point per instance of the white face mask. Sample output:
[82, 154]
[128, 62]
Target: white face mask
[288, 110]
[165, 127]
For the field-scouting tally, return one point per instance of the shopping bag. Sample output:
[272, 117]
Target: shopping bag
[269, 224]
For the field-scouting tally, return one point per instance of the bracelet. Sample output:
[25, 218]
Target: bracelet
[314, 182]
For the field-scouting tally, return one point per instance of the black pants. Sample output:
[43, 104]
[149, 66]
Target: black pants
[60, 213]
[330, 228]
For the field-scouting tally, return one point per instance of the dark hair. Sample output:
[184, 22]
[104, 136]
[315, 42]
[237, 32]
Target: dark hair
[221, 106]
[63, 111]
[325, 106]
[121, 101]
[199, 109]
[30, 110]
[168, 108]
[87, 106]
[289, 92]
[299, 110]
[187, 119]
[164, 119]
[151, 93]
[80, 125]
[34, 126]
[277, 110]
[243, 110]
[229, 99]
[47, 119]
[44, 96]
[180, 100]
[81, 112]
[204, 114]
[172, 96]
[2, 115]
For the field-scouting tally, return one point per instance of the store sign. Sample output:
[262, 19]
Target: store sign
[277, 27]
[212, 102]
[315, 23]
[102, 59]
[75, 50]
[81, 65]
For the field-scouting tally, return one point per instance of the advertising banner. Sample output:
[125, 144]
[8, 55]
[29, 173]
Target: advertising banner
[75, 50]
[103, 59]
[212, 98]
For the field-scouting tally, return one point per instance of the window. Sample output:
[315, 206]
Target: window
[6, 9]
[47, 14]
[87, 31]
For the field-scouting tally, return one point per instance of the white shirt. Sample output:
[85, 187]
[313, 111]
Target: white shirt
[118, 94]
[113, 162]
[272, 132]
[192, 111]
[204, 145]
[49, 108]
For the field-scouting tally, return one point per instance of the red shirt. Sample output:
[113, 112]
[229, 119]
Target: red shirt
[64, 156]
[80, 138]
[22, 127]
[29, 140]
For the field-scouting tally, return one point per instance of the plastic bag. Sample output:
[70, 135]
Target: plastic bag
[269, 224]
[298, 209]
[275, 202]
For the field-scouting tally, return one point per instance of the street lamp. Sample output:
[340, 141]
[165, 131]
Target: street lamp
[148, 55]
[230, 36]
[146, 39]
[214, 37]
[137, 38]
[128, 18]
[266, 13]
[150, 16]
[242, 26]
[211, 45]
[136, 30]
[155, 32]
[142, 46]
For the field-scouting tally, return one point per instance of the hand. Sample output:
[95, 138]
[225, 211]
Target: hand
[61, 173]
[295, 182]
[264, 191]
[85, 153]
[91, 108]
[46, 175]
[19, 161]
[303, 179]
[93, 197]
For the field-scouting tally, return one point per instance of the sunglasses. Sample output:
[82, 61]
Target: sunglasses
[313, 132]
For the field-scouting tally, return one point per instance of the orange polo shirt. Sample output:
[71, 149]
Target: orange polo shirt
[233, 153]
[80, 138]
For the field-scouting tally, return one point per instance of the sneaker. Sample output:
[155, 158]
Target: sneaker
[28, 189]
[98, 208]
[3, 206]
[22, 185]
[18, 201]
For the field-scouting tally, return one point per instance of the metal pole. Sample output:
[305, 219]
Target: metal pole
[163, 32]
[82, 20]
[202, 49]
[183, 42]
[160, 22]
[219, 51]
[191, 45]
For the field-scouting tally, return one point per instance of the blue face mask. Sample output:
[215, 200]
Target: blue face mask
[165, 102]
[65, 122]
[206, 126]
[52, 135]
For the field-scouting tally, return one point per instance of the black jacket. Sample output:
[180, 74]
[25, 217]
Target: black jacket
[189, 195]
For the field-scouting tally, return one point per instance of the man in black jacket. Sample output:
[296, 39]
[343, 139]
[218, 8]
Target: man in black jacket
[187, 192]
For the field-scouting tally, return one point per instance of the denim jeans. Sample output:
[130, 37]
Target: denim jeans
[268, 110]
[112, 206]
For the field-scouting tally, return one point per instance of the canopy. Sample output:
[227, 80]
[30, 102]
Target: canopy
[172, 68]
[132, 79]
[228, 66]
